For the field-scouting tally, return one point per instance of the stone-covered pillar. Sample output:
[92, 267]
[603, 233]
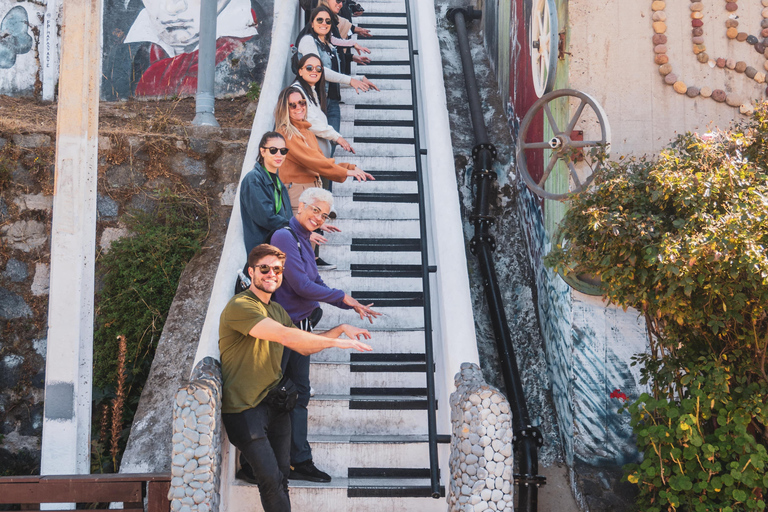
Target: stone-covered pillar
[67, 419]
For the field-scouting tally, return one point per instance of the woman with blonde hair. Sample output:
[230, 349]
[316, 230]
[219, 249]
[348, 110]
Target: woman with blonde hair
[305, 163]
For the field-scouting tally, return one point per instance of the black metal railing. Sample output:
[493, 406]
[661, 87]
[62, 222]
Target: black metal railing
[425, 271]
[527, 438]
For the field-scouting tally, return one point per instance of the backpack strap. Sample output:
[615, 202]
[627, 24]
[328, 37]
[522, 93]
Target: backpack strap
[292, 232]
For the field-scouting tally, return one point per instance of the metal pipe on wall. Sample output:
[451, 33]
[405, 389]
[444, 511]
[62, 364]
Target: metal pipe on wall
[206, 65]
[527, 438]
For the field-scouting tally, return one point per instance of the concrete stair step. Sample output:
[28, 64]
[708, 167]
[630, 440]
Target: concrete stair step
[391, 318]
[370, 415]
[338, 378]
[364, 282]
[363, 206]
[386, 43]
[383, 128]
[384, 184]
[369, 146]
[389, 84]
[336, 454]
[376, 68]
[334, 497]
[342, 256]
[350, 96]
[379, 32]
[405, 164]
[351, 112]
[383, 342]
[381, 229]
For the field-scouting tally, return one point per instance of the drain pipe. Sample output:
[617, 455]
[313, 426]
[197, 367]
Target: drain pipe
[527, 438]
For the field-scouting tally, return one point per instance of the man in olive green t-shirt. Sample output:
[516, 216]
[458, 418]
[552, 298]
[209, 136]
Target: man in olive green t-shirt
[252, 333]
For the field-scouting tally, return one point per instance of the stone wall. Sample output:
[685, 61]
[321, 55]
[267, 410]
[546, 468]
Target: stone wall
[133, 170]
[481, 445]
[196, 462]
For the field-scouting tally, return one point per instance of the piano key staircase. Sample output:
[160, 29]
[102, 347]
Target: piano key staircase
[368, 418]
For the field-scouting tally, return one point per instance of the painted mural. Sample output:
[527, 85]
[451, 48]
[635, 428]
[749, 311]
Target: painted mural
[151, 47]
[20, 23]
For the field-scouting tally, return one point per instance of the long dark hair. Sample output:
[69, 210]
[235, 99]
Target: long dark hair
[319, 86]
[264, 139]
[308, 28]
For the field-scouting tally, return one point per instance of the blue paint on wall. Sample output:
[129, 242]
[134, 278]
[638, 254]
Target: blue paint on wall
[589, 346]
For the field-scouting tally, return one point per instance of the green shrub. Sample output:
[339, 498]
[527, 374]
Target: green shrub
[683, 239]
[141, 274]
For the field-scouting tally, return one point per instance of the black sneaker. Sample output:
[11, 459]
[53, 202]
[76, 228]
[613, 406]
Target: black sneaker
[324, 265]
[307, 471]
[246, 475]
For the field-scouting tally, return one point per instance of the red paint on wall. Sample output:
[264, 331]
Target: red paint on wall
[521, 90]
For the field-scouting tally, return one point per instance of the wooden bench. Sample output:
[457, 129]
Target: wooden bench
[130, 489]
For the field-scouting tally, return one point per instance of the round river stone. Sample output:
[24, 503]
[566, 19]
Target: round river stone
[680, 87]
[741, 66]
[659, 39]
[718, 95]
[692, 92]
[720, 62]
[661, 59]
[750, 72]
[665, 69]
[670, 79]
[706, 92]
[732, 32]
[659, 27]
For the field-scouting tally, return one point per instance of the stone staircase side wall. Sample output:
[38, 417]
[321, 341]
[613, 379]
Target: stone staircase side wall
[481, 459]
[197, 439]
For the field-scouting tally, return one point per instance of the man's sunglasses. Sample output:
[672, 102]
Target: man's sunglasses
[294, 106]
[320, 21]
[317, 68]
[264, 269]
[273, 150]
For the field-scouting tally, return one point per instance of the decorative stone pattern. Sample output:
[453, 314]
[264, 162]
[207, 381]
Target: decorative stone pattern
[481, 445]
[196, 455]
[700, 51]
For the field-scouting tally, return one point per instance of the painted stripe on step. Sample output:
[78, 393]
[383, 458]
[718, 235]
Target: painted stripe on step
[390, 299]
[421, 491]
[389, 391]
[393, 404]
[390, 62]
[386, 244]
[384, 197]
[394, 175]
[385, 76]
[383, 25]
[391, 357]
[385, 38]
[388, 473]
[388, 367]
[384, 14]
[384, 122]
[381, 106]
[384, 140]
[374, 270]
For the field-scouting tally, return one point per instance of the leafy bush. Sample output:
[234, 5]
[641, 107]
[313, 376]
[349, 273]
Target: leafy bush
[683, 239]
[141, 274]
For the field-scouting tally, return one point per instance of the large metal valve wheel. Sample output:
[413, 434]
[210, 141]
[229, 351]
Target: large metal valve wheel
[543, 45]
[562, 146]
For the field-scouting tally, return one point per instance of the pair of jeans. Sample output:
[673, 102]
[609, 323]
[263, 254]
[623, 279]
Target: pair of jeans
[296, 367]
[262, 434]
[333, 113]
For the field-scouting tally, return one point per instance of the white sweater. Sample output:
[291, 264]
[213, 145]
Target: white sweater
[316, 117]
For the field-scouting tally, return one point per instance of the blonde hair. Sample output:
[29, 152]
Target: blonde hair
[283, 122]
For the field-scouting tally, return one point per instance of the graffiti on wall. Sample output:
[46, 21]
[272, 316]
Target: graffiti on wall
[588, 349]
[15, 38]
[151, 46]
[19, 26]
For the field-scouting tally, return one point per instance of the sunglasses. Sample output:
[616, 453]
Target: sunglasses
[317, 68]
[273, 150]
[339, 1]
[264, 269]
[294, 106]
[318, 211]
[320, 21]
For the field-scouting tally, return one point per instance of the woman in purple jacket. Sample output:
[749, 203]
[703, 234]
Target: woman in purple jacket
[302, 291]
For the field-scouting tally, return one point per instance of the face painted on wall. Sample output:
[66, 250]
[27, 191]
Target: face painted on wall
[177, 22]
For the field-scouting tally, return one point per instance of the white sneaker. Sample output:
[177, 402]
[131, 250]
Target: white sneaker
[311, 391]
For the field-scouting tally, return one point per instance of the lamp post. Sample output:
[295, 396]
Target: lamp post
[206, 68]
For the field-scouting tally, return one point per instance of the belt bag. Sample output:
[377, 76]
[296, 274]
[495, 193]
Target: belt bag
[283, 397]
